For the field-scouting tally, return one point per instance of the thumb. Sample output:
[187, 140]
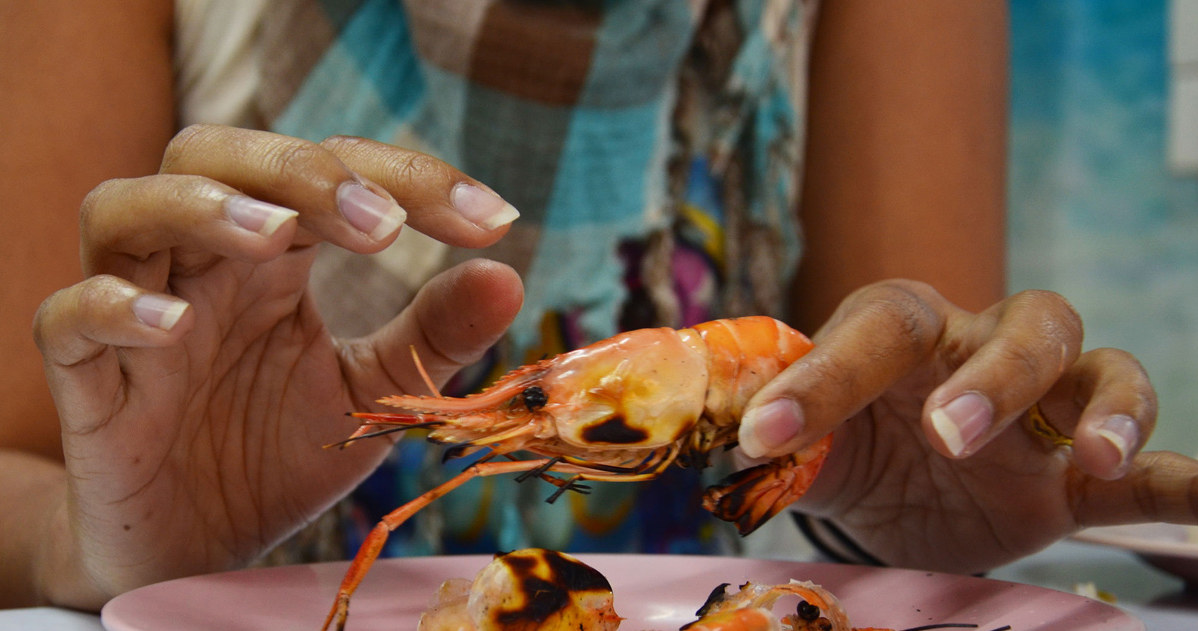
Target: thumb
[451, 323]
[876, 338]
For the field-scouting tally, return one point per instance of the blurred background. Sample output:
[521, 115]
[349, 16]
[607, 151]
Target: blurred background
[1104, 180]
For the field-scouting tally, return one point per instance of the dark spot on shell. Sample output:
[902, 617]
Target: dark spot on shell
[545, 597]
[716, 597]
[614, 431]
[575, 575]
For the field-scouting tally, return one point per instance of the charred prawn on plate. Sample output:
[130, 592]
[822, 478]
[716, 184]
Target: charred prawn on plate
[621, 410]
[751, 609]
[525, 590]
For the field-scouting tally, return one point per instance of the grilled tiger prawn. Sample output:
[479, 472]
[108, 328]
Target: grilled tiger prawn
[622, 409]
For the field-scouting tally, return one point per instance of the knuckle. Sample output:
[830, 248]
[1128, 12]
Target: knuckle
[396, 169]
[1126, 371]
[96, 294]
[45, 316]
[89, 209]
[182, 143]
[340, 142]
[1027, 362]
[86, 303]
[300, 164]
[412, 168]
[835, 372]
[904, 309]
[289, 156]
[1115, 356]
[1060, 320]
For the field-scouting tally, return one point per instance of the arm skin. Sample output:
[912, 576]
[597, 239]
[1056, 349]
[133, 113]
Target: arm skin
[905, 165]
[85, 96]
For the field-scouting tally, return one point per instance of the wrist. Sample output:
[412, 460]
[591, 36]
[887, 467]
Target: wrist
[59, 573]
[35, 539]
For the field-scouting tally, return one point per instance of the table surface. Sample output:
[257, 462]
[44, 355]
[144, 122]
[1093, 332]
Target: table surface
[1158, 599]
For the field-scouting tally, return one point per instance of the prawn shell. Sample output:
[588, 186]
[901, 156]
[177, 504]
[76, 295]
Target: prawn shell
[743, 355]
[448, 609]
[642, 389]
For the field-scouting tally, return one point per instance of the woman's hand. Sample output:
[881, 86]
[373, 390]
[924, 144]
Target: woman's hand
[195, 382]
[935, 466]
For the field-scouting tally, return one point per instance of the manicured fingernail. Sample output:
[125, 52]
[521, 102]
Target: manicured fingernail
[369, 211]
[1122, 433]
[482, 207]
[159, 312]
[770, 425]
[962, 421]
[257, 216]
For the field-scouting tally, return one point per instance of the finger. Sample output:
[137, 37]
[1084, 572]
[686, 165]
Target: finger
[78, 329]
[124, 222]
[1031, 339]
[1159, 486]
[334, 203]
[443, 202]
[454, 319]
[877, 335]
[1119, 411]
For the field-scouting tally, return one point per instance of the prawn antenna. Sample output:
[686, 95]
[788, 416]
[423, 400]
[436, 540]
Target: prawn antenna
[424, 373]
[382, 432]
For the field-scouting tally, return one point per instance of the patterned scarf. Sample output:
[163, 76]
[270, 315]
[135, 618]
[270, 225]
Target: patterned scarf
[596, 119]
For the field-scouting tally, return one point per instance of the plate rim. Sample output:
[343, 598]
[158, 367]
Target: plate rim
[1140, 543]
[802, 570]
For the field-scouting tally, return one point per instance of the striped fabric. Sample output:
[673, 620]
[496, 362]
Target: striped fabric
[651, 147]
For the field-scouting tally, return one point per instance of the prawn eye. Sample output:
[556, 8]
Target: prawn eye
[807, 611]
[534, 398]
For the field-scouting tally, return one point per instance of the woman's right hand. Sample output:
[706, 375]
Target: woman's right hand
[194, 380]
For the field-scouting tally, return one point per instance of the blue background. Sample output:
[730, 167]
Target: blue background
[1095, 212]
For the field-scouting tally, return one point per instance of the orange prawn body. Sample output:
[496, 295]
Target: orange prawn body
[750, 608]
[622, 409]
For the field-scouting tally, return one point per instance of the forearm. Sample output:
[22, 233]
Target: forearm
[905, 164]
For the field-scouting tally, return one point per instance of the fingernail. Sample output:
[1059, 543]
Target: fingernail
[159, 312]
[482, 207]
[962, 421]
[370, 212]
[769, 425]
[257, 216]
[1122, 433]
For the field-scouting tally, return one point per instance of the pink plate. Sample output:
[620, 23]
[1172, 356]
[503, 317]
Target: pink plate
[658, 593]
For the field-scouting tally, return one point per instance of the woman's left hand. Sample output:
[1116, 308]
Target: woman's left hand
[934, 464]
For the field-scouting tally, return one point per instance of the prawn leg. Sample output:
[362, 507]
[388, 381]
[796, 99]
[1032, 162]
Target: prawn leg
[373, 545]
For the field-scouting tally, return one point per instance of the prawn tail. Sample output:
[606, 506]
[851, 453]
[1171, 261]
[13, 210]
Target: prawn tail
[751, 496]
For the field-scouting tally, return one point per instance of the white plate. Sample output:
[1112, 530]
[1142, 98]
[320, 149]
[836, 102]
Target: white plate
[1170, 547]
[652, 592]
